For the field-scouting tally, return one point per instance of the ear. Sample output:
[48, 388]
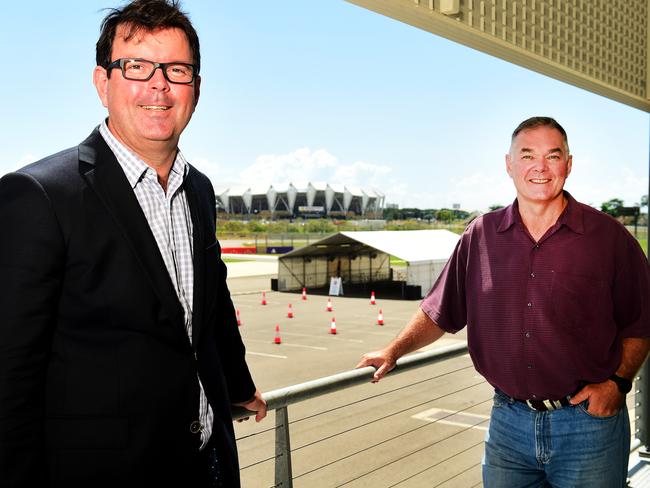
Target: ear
[569, 165]
[100, 80]
[197, 90]
[509, 165]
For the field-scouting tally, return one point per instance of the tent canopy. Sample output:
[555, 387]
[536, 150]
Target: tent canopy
[411, 246]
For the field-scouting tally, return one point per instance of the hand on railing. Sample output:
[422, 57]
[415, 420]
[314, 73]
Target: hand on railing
[382, 360]
[257, 404]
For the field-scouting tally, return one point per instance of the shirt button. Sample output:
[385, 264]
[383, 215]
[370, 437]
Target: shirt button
[530, 366]
[529, 304]
[534, 396]
[196, 427]
[527, 334]
[532, 275]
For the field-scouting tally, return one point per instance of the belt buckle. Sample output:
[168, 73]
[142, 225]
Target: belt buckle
[536, 405]
[545, 405]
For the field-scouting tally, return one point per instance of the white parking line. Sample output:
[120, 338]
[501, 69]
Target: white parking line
[277, 356]
[358, 341]
[306, 347]
[318, 348]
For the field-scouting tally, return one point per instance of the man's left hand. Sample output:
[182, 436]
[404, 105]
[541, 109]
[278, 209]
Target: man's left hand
[604, 398]
[256, 404]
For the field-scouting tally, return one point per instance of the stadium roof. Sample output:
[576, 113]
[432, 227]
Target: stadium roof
[412, 246]
[300, 186]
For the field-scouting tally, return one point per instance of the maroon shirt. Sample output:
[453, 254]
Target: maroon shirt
[543, 318]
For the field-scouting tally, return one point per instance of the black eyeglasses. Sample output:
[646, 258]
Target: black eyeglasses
[143, 69]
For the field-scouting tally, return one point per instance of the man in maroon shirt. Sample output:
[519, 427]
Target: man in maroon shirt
[556, 299]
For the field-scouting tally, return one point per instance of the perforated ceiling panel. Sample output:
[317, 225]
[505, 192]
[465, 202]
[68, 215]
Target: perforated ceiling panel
[599, 45]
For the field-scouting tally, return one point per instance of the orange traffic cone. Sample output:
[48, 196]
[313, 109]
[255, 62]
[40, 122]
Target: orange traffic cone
[380, 318]
[329, 305]
[238, 318]
[277, 339]
[263, 298]
[290, 312]
[333, 326]
[372, 298]
[304, 293]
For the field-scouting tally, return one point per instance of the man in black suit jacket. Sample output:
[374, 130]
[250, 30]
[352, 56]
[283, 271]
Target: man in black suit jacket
[116, 369]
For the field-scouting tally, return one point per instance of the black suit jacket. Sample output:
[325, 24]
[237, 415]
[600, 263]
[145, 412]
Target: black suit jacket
[98, 380]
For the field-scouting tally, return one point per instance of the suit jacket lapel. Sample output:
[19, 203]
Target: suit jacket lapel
[104, 174]
[198, 221]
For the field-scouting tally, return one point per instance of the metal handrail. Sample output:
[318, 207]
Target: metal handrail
[284, 397]
[280, 399]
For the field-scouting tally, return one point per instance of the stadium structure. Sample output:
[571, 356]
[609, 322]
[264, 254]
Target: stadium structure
[311, 200]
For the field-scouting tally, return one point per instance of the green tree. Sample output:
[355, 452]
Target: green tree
[321, 225]
[255, 226]
[445, 215]
[611, 206]
[494, 207]
[391, 213]
[644, 201]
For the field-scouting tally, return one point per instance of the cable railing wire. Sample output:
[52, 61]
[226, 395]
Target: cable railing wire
[386, 441]
[443, 460]
[385, 417]
[353, 428]
[282, 398]
[469, 468]
[425, 447]
[333, 409]
[387, 392]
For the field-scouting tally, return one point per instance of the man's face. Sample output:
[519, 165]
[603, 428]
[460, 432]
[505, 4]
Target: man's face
[539, 164]
[148, 115]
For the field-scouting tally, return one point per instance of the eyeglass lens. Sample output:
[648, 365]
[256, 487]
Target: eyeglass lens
[143, 70]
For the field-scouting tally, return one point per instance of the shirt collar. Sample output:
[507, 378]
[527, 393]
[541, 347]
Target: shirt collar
[571, 216]
[135, 169]
[510, 217]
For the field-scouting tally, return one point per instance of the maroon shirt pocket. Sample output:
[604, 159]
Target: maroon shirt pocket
[579, 301]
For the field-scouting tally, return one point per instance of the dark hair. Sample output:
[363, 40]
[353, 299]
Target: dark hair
[534, 122]
[147, 15]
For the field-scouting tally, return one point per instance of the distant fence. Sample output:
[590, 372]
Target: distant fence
[238, 250]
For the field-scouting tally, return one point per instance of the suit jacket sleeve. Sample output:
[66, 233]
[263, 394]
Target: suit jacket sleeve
[232, 353]
[31, 266]
[231, 348]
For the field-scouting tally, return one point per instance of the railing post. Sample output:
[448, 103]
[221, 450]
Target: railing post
[642, 410]
[283, 476]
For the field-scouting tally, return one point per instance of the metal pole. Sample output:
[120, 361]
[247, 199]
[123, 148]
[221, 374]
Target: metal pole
[642, 408]
[283, 476]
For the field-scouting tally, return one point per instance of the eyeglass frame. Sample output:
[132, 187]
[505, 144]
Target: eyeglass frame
[119, 63]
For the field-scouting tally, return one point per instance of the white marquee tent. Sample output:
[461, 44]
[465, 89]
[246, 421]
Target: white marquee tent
[364, 257]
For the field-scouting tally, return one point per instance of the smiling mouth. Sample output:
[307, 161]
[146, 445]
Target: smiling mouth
[156, 108]
[539, 181]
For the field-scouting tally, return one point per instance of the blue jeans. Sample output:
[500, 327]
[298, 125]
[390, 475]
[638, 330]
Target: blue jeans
[565, 448]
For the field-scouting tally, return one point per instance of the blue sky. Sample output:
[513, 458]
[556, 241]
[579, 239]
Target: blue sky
[324, 91]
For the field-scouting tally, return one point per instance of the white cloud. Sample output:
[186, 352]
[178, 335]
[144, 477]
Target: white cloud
[361, 173]
[300, 165]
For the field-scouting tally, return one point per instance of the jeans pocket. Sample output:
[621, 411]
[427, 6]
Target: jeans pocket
[584, 406]
[499, 399]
